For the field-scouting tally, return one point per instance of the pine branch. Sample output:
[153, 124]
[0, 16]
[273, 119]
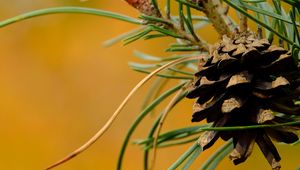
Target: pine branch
[217, 15]
[157, 22]
[177, 29]
[145, 7]
[203, 46]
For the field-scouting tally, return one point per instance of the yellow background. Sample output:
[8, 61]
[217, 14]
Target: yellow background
[59, 85]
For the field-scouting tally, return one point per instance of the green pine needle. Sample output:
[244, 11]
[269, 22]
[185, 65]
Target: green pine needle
[212, 162]
[234, 5]
[184, 156]
[79, 10]
[192, 158]
[141, 117]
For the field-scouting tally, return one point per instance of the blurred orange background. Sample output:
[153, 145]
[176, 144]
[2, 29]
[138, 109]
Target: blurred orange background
[59, 85]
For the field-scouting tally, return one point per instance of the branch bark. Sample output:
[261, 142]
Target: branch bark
[218, 16]
[144, 6]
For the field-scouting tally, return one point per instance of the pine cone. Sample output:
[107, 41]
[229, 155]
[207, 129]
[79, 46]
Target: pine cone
[246, 81]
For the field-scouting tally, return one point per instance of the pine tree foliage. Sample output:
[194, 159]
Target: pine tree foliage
[246, 85]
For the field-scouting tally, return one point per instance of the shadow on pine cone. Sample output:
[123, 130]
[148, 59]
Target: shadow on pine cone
[247, 82]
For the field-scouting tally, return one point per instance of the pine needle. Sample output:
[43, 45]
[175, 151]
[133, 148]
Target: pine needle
[117, 112]
[163, 118]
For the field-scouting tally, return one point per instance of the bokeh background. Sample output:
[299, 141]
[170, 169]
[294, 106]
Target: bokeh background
[59, 85]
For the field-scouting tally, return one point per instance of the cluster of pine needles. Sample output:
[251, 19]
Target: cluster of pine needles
[277, 22]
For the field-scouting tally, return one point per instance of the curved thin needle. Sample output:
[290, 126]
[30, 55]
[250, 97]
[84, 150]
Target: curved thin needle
[118, 110]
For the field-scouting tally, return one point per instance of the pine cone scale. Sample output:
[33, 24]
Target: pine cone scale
[243, 148]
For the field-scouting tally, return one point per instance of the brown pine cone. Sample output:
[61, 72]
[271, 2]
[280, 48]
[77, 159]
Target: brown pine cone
[246, 81]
